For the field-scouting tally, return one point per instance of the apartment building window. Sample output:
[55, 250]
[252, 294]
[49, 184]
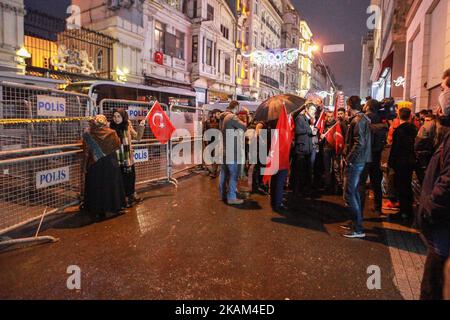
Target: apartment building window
[194, 9]
[219, 55]
[179, 43]
[282, 79]
[194, 49]
[159, 36]
[208, 52]
[210, 12]
[225, 32]
[227, 68]
[255, 41]
[256, 7]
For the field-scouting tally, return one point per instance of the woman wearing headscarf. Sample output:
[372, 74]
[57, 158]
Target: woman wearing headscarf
[104, 191]
[122, 125]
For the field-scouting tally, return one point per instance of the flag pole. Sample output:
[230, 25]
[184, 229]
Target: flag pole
[331, 128]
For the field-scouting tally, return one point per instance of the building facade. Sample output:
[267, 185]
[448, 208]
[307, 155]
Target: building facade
[290, 37]
[305, 61]
[389, 50]
[203, 45]
[213, 49]
[367, 62]
[11, 35]
[427, 51]
[266, 32]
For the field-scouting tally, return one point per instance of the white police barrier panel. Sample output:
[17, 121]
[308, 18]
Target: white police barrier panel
[51, 106]
[188, 140]
[52, 177]
[141, 155]
[40, 151]
[150, 157]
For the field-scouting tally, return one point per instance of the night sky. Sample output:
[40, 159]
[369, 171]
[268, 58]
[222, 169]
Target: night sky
[335, 22]
[331, 21]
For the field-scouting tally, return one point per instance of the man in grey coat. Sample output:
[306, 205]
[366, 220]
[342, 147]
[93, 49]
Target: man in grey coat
[233, 149]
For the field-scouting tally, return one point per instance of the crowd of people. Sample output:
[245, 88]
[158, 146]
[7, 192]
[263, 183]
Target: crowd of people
[372, 134]
[375, 134]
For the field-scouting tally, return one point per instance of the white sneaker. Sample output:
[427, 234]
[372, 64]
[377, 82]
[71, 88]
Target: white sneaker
[355, 235]
[235, 202]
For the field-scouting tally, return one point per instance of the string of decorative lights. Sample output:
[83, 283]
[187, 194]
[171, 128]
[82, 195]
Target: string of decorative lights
[277, 58]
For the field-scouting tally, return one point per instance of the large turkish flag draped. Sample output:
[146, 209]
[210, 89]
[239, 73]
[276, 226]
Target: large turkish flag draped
[160, 123]
[280, 149]
[335, 138]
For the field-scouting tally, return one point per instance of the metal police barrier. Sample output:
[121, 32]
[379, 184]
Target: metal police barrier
[40, 151]
[189, 136]
[151, 157]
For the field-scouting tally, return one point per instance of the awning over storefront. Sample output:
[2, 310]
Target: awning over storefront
[387, 63]
[156, 82]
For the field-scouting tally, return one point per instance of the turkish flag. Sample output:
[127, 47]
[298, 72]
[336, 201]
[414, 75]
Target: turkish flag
[335, 138]
[159, 57]
[160, 123]
[280, 149]
[320, 124]
[336, 106]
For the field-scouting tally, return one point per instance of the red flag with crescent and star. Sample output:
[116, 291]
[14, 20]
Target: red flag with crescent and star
[320, 124]
[160, 123]
[279, 156]
[335, 138]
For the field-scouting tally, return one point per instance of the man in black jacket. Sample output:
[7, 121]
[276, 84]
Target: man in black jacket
[303, 150]
[379, 131]
[433, 216]
[357, 155]
[402, 161]
[434, 220]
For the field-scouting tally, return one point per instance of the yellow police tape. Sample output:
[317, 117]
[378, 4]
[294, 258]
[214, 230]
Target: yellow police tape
[47, 120]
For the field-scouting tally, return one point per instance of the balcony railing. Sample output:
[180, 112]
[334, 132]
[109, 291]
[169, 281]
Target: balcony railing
[276, 8]
[269, 81]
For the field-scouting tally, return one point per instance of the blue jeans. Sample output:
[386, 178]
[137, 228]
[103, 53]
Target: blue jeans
[228, 178]
[277, 184]
[351, 194]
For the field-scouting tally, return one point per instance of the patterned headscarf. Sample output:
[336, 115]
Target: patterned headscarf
[106, 138]
[99, 121]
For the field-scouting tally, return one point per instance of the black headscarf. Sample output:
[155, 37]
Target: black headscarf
[120, 128]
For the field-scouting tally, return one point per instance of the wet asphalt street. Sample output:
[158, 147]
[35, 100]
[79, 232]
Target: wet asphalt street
[185, 244]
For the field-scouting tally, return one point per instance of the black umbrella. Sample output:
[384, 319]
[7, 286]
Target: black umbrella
[270, 109]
